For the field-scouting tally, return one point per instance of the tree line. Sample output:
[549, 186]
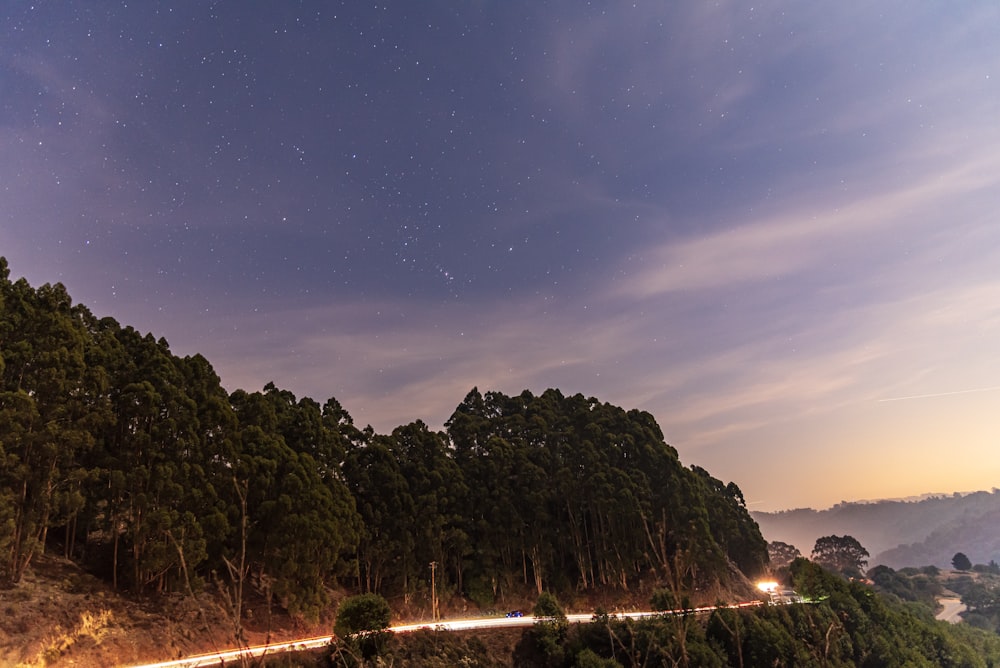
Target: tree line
[845, 624]
[138, 464]
[842, 623]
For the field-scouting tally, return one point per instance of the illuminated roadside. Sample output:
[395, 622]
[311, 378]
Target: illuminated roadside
[301, 645]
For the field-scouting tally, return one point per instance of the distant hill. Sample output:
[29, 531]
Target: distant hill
[977, 536]
[899, 533]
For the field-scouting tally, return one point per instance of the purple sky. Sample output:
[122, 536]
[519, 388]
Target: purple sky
[775, 228]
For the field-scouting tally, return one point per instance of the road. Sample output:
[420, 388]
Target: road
[302, 644]
[951, 609]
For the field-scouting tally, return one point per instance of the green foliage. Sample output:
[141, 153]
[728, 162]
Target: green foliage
[46, 421]
[138, 462]
[588, 658]
[302, 521]
[961, 562]
[781, 555]
[981, 598]
[547, 608]
[732, 527]
[567, 493]
[360, 628]
[550, 628]
[438, 649]
[138, 458]
[125, 456]
[916, 586]
[364, 612]
[664, 600]
[840, 554]
[851, 626]
[812, 580]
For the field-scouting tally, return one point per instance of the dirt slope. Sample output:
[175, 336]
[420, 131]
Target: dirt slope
[59, 615]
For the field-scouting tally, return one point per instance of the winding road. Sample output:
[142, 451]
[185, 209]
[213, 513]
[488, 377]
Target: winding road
[303, 644]
[951, 608]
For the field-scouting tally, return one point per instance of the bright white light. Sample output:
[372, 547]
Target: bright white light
[231, 656]
[767, 586]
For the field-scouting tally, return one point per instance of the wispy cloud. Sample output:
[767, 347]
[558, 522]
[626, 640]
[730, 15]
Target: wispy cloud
[807, 235]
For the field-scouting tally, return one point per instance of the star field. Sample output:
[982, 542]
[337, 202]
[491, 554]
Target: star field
[756, 223]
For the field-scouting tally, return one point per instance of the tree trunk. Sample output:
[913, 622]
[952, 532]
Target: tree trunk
[114, 560]
[536, 569]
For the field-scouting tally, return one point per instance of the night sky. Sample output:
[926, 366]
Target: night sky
[773, 227]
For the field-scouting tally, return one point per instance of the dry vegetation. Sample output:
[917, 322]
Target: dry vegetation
[58, 615]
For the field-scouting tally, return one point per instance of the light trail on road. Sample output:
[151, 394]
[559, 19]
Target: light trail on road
[305, 644]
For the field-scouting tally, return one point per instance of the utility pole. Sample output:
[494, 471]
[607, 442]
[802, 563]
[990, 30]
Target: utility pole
[434, 598]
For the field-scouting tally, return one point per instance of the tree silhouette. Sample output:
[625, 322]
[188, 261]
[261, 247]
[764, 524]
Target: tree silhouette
[840, 554]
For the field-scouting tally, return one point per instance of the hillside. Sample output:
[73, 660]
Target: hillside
[139, 468]
[899, 533]
[975, 535]
[61, 615]
[146, 512]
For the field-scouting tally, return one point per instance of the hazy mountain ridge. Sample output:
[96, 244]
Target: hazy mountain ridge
[899, 533]
[977, 536]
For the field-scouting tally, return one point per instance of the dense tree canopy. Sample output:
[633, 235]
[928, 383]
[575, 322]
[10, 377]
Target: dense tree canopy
[361, 613]
[138, 464]
[782, 554]
[840, 554]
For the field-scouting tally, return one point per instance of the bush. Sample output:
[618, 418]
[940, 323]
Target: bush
[367, 612]
[551, 625]
[480, 592]
[547, 607]
[590, 659]
[360, 629]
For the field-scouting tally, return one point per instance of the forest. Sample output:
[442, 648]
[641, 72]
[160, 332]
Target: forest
[138, 465]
